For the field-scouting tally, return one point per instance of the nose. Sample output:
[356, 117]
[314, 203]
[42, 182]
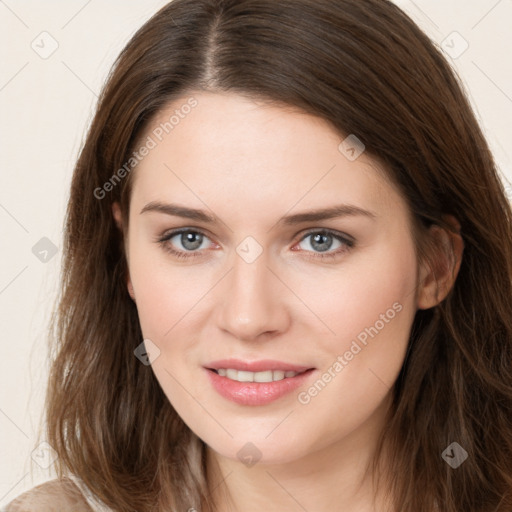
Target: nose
[252, 302]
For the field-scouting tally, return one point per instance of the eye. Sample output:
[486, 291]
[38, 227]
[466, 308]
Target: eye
[184, 243]
[323, 241]
[189, 243]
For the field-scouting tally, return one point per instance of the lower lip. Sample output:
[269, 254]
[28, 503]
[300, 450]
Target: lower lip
[256, 393]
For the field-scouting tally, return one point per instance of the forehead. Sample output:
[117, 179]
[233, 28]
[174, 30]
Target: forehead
[228, 146]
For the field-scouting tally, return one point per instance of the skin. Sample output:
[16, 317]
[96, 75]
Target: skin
[248, 164]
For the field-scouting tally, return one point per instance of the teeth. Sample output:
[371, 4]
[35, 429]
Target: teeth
[266, 376]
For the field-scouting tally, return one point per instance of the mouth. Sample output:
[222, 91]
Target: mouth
[257, 382]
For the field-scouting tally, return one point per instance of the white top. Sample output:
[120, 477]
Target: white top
[94, 503]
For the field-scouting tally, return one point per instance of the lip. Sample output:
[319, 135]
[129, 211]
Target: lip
[255, 366]
[256, 393]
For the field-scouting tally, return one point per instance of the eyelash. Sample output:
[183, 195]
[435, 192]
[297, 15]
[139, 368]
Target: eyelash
[348, 243]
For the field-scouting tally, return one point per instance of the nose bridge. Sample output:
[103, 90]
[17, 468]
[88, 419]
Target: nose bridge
[250, 306]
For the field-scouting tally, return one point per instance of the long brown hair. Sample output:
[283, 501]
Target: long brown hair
[366, 68]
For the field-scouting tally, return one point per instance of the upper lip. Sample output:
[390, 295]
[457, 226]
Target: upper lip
[256, 366]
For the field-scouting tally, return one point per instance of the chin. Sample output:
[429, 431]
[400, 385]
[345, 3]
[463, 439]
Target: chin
[261, 451]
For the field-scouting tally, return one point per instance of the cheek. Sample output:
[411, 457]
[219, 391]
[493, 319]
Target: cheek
[373, 289]
[166, 299]
[165, 292]
[371, 308]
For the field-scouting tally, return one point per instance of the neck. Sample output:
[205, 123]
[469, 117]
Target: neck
[338, 476]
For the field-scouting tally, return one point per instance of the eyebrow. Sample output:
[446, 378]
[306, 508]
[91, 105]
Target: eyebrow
[341, 210]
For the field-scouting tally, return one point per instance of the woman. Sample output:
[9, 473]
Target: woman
[287, 276]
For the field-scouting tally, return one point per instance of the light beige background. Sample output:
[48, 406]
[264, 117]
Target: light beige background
[46, 104]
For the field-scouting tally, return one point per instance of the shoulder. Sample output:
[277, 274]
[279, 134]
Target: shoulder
[53, 496]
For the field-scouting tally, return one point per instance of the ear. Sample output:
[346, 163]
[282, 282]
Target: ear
[118, 218]
[437, 275]
[116, 212]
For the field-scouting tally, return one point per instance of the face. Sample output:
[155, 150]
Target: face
[257, 277]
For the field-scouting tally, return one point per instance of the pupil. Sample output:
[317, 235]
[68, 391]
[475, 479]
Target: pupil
[323, 242]
[191, 241]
